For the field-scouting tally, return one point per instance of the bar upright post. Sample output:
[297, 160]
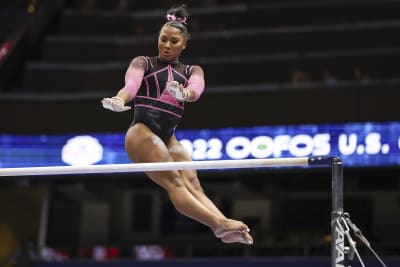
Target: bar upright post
[338, 238]
[337, 243]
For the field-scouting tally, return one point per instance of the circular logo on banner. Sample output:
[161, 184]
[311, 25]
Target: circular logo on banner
[82, 150]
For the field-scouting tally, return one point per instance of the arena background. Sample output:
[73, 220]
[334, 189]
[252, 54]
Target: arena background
[266, 63]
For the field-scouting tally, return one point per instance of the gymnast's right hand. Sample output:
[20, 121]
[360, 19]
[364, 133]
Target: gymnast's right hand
[115, 103]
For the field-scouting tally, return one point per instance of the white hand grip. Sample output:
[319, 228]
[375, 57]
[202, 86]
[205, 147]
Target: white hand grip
[115, 104]
[174, 90]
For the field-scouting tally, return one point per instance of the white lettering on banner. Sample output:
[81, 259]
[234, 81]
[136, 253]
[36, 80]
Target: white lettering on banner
[238, 147]
[301, 145]
[281, 141]
[347, 144]
[321, 144]
[201, 149]
[262, 147]
[364, 144]
[373, 143]
[187, 144]
[215, 149]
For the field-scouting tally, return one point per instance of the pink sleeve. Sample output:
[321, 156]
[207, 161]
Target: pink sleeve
[134, 76]
[196, 82]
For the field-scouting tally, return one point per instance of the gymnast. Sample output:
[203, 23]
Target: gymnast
[159, 87]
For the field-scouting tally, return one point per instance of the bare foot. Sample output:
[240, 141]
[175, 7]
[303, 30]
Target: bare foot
[238, 237]
[230, 226]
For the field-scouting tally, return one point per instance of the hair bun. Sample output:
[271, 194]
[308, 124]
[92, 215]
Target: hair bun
[178, 14]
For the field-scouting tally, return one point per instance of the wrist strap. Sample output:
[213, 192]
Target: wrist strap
[119, 99]
[186, 94]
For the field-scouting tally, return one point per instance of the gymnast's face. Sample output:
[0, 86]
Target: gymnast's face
[171, 42]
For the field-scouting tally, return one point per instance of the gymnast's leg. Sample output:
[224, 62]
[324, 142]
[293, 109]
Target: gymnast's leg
[192, 183]
[143, 145]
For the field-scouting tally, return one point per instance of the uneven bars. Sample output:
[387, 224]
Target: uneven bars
[337, 252]
[158, 166]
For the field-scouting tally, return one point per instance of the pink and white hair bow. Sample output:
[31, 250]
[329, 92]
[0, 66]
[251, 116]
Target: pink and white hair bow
[171, 17]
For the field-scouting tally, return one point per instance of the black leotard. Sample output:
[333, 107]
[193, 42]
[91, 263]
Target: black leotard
[154, 107]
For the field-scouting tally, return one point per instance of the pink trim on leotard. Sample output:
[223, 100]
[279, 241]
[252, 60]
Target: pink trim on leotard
[170, 75]
[146, 81]
[149, 63]
[154, 73]
[163, 100]
[158, 88]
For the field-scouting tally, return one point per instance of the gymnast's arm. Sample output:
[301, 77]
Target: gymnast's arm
[133, 80]
[196, 84]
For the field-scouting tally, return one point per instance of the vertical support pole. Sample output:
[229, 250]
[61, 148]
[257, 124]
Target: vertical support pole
[337, 244]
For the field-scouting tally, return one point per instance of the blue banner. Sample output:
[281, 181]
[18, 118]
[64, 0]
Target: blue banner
[357, 144]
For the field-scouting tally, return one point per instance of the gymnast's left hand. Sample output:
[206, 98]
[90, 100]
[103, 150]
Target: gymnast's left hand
[177, 90]
[115, 104]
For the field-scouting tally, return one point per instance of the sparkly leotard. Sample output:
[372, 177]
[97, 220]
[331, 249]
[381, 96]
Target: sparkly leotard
[154, 107]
